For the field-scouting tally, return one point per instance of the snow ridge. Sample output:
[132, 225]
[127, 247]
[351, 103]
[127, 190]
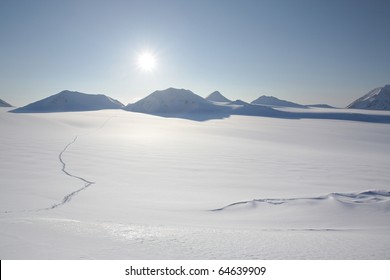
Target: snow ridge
[362, 198]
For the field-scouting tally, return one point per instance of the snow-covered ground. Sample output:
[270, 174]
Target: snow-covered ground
[113, 184]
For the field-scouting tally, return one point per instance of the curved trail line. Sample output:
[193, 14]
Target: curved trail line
[67, 198]
[87, 183]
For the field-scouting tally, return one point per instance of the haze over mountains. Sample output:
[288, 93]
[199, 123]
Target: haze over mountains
[68, 101]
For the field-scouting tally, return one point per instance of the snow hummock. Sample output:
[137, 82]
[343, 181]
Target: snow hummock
[216, 96]
[376, 99]
[275, 102]
[70, 101]
[4, 104]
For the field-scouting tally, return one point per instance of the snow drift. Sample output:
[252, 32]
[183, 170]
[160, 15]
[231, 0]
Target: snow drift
[376, 99]
[68, 101]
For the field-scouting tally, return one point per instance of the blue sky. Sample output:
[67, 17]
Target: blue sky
[304, 51]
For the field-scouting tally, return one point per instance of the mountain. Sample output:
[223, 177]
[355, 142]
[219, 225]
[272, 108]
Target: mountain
[68, 101]
[326, 106]
[275, 102]
[376, 99]
[216, 96]
[4, 104]
[173, 101]
[183, 103]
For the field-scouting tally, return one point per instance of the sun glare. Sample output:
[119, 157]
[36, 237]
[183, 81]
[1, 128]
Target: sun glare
[146, 61]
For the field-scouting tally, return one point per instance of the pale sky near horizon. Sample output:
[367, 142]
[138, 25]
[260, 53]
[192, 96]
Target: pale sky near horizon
[303, 51]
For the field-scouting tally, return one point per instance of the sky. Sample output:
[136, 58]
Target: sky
[305, 51]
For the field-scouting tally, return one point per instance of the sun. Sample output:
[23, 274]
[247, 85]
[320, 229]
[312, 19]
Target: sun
[147, 61]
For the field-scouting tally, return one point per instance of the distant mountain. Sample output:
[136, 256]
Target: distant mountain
[4, 104]
[275, 102]
[320, 106]
[183, 103]
[68, 101]
[376, 99]
[216, 96]
[173, 101]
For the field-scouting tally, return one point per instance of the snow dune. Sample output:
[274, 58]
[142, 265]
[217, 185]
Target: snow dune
[286, 188]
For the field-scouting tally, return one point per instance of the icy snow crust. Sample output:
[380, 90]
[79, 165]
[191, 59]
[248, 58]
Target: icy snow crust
[113, 184]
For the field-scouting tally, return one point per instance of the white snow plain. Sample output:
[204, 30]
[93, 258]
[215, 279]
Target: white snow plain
[113, 184]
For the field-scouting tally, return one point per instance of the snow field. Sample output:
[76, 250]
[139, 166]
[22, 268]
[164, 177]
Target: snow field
[156, 181]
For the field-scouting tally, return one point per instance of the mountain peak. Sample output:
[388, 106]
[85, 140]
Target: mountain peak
[68, 101]
[376, 99]
[4, 104]
[171, 101]
[275, 102]
[216, 96]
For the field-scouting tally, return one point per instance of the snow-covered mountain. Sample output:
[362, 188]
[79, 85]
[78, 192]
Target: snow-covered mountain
[68, 101]
[173, 101]
[4, 104]
[275, 102]
[376, 99]
[216, 96]
[183, 103]
[326, 106]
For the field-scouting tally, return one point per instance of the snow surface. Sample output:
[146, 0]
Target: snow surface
[275, 102]
[68, 101]
[4, 104]
[376, 99]
[113, 184]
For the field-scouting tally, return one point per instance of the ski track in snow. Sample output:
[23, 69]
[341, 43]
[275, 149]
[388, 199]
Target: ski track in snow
[86, 182]
[67, 198]
[367, 197]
